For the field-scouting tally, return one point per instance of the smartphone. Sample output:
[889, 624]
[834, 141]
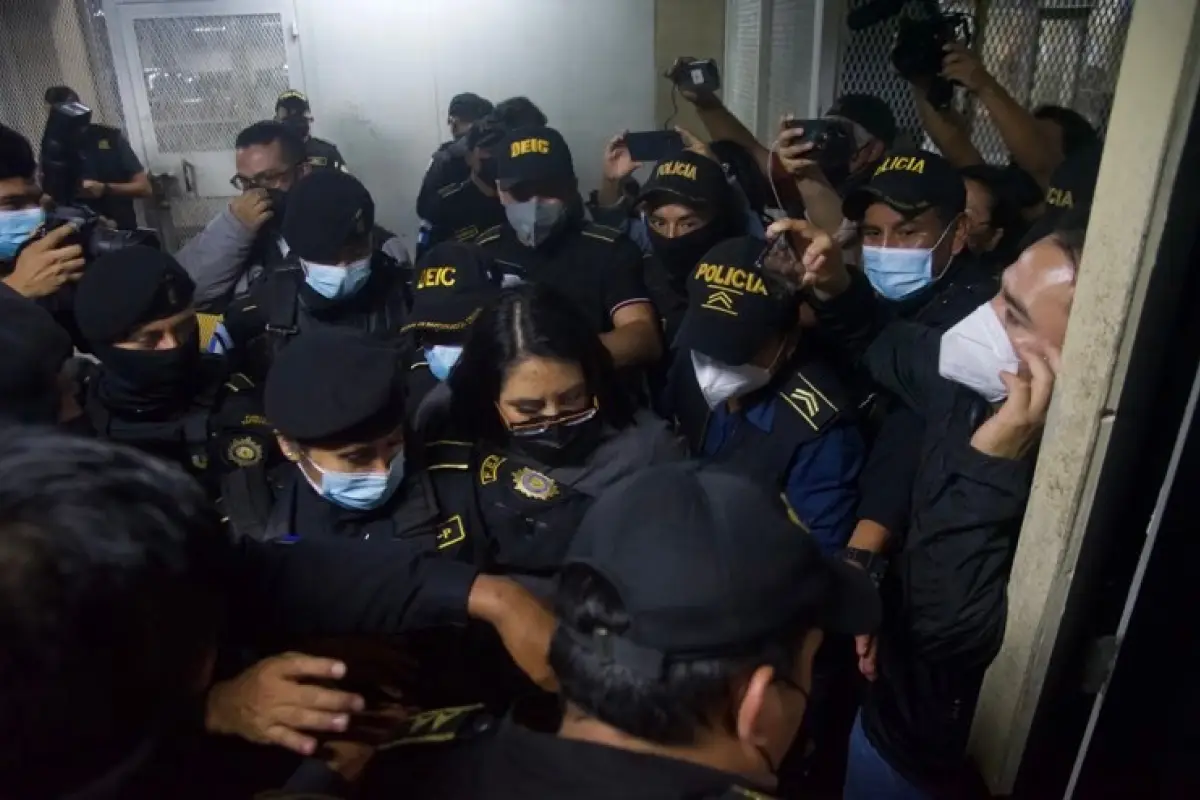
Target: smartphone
[650, 146]
[781, 259]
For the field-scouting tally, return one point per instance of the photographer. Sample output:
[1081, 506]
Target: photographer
[983, 388]
[113, 177]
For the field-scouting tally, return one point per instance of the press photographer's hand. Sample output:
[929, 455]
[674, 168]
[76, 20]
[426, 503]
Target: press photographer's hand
[46, 264]
[964, 67]
[796, 156]
[618, 163]
[818, 264]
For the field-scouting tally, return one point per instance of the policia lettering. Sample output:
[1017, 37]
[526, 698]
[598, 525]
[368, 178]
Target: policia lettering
[902, 164]
[678, 169]
[716, 275]
[1060, 198]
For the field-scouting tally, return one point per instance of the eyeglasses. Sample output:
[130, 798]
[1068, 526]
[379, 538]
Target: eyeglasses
[540, 426]
[264, 180]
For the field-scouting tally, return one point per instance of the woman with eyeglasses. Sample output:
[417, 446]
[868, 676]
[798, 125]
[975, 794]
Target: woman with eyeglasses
[536, 394]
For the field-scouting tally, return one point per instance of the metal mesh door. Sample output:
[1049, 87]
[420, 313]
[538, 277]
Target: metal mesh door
[1061, 52]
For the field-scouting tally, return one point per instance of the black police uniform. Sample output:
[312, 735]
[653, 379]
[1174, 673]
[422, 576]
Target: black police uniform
[324, 155]
[457, 211]
[108, 158]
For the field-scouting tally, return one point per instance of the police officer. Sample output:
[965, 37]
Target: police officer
[113, 176]
[333, 277]
[454, 282]
[687, 596]
[746, 388]
[154, 388]
[689, 207]
[292, 109]
[462, 209]
[547, 240]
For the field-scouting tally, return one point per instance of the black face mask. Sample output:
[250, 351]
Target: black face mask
[560, 443]
[149, 379]
[682, 253]
[487, 171]
[299, 124]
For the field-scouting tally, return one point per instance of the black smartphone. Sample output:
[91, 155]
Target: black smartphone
[650, 146]
[781, 259]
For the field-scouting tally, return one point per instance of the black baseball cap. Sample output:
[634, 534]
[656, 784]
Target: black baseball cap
[454, 281]
[732, 306]
[335, 386]
[326, 210]
[1068, 199]
[869, 112]
[469, 107]
[689, 178]
[911, 182]
[707, 564]
[295, 102]
[533, 154]
[127, 288]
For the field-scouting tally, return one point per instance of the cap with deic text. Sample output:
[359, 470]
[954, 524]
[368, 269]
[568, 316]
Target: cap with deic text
[733, 308]
[688, 178]
[125, 289]
[326, 210]
[533, 154]
[335, 386]
[707, 564]
[454, 282]
[910, 182]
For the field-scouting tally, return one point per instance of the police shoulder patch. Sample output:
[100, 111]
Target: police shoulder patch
[442, 725]
[244, 451]
[810, 397]
[489, 470]
[451, 532]
[534, 485]
[489, 235]
[602, 232]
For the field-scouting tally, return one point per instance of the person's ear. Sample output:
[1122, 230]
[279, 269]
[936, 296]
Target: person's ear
[997, 235]
[290, 450]
[960, 234]
[755, 711]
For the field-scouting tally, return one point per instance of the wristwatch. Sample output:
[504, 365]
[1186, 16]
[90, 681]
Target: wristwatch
[874, 564]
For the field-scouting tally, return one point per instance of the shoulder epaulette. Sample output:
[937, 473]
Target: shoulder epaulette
[239, 382]
[448, 454]
[489, 235]
[450, 189]
[808, 394]
[604, 233]
[417, 365]
[459, 723]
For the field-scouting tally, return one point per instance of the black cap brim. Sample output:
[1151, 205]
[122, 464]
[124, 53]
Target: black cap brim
[452, 314]
[668, 196]
[855, 206]
[730, 344]
[854, 607]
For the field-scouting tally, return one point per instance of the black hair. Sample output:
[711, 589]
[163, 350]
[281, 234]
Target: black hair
[519, 112]
[469, 107]
[528, 320]
[61, 94]
[108, 608]
[1070, 233]
[16, 156]
[1004, 210]
[270, 131]
[1077, 132]
[691, 696]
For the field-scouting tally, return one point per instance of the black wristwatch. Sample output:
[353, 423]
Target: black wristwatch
[874, 564]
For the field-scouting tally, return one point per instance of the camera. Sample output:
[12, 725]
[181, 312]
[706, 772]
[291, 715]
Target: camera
[695, 75]
[62, 171]
[832, 140]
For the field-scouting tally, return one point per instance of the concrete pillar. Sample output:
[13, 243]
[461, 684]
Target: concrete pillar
[1155, 96]
[685, 28]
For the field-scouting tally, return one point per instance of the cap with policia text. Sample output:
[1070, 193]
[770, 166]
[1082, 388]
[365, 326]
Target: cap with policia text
[733, 308]
[707, 564]
[869, 112]
[293, 101]
[326, 210]
[125, 289]
[910, 182]
[533, 154]
[335, 386]
[689, 178]
[454, 281]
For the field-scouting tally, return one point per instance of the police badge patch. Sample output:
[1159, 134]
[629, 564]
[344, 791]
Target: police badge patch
[244, 451]
[534, 485]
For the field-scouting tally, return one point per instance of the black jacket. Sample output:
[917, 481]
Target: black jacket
[945, 593]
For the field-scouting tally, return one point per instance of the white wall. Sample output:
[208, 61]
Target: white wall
[380, 74]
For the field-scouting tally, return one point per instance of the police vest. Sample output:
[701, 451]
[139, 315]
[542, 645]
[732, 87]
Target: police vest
[809, 400]
[287, 315]
[530, 517]
[193, 439]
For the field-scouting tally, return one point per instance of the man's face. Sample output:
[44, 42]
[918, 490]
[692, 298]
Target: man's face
[17, 194]
[554, 191]
[263, 166]
[1035, 299]
[180, 330]
[982, 236]
[884, 226]
[675, 219]
[457, 126]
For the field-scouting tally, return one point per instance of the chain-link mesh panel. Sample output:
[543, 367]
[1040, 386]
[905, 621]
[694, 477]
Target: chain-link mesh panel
[206, 77]
[46, 43]
[1060, 52]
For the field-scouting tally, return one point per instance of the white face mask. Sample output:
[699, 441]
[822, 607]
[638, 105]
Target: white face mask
[721, 382]
[975, 351]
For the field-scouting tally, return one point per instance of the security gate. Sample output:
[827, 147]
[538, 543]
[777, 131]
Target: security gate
[1062, 52]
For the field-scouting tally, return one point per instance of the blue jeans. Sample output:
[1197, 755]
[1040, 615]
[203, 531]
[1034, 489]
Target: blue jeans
[869, 776]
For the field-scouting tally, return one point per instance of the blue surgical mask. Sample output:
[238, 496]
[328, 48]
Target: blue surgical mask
[16, 227]
[442, 358]
[335, 282]
[535, 219]
[900, 272]
[359, 491]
